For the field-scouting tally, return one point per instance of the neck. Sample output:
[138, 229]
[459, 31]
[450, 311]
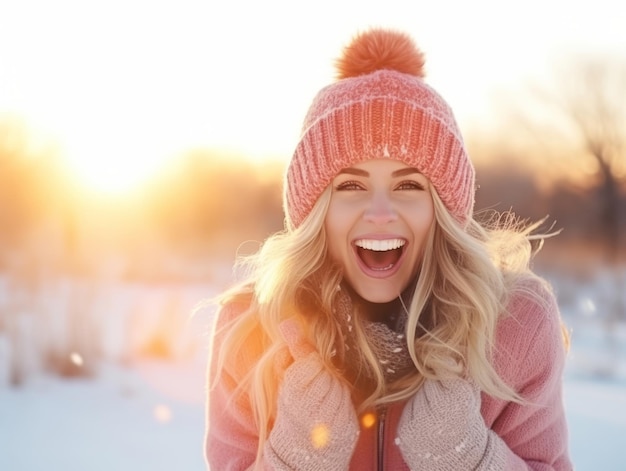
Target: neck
[387, 313]
[381, 312]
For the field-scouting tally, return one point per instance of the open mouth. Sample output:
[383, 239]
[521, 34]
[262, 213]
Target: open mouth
[379, 255]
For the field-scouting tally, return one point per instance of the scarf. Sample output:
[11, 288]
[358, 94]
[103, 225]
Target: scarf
[386, 339]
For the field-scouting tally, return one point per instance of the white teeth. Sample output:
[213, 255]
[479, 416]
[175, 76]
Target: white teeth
[380, 245]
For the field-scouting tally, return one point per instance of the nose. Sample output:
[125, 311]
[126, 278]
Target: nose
[380, 210]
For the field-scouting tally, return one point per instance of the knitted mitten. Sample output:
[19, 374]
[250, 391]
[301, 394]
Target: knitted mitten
[316, 425]
[441, 428]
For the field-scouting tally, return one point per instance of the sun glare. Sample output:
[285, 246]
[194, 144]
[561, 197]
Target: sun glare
[112, 170]
[124, 103]
[109, 150]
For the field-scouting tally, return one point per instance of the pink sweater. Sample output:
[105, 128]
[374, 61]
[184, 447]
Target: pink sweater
[529, 356]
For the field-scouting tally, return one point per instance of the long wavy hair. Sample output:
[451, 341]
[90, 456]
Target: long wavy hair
[467, 275]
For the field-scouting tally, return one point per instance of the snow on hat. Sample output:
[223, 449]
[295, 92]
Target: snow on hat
[379, 107]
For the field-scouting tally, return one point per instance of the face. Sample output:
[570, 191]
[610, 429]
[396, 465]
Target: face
[377, 223]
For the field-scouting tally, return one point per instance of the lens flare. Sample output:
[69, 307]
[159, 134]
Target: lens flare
[368, 420]
[76, 359]
[320, 436]
[588, 307]
[162, 414]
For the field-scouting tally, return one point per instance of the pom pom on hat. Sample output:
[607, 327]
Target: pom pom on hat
[379, 49]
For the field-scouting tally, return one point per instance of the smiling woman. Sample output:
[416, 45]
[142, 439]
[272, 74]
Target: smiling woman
[384, 297]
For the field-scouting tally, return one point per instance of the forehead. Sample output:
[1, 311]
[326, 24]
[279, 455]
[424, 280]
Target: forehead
[379, 166]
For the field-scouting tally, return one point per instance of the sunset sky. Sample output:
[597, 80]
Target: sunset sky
[126, 85]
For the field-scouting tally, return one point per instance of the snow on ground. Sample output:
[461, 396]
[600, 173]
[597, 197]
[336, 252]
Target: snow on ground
[149, 413]
[122, 420]
[596, 413]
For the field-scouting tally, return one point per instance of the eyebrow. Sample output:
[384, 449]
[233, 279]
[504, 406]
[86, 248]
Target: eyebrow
[362, 173]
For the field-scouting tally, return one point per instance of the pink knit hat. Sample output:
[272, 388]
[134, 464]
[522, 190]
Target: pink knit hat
[379, 108]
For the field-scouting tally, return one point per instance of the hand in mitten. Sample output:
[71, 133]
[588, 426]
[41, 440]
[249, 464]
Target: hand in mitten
[441, 428]
[316, 425]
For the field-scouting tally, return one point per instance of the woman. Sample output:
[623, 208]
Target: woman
[385, 328]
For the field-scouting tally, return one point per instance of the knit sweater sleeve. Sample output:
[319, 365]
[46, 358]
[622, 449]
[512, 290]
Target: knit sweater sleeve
[231, 438]
[530, 356]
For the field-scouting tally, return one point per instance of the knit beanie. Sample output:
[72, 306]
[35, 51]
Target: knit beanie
[379, 107]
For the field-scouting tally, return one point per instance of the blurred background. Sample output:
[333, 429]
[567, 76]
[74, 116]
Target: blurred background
[142, 146]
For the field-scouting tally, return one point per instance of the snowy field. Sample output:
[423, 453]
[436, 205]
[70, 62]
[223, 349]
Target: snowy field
[139, 411]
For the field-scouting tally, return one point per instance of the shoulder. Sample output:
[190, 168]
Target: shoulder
[232, 306]
[230, 311]
[529, 342]
[237, 336]
[531, 310]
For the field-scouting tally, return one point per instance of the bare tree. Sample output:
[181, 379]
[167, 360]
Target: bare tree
[588, 106]
[595, 100]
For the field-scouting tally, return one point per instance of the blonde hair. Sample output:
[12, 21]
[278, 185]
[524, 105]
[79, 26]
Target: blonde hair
[466, 278]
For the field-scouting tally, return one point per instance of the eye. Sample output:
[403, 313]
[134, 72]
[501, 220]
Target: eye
[350, 185]
[410, 185]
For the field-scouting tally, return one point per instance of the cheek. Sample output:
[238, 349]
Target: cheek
[421, 240]
[336, 232]
[421, 225]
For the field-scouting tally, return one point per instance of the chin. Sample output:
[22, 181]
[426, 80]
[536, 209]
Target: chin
[376, 294]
